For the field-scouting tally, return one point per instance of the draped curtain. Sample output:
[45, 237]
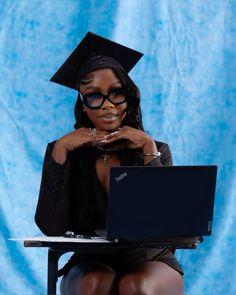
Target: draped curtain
[187, 81]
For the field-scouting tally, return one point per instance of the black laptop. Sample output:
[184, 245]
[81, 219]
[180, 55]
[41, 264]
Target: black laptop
[166, 204]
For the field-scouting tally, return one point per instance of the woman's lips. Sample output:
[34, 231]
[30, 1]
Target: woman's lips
[108, 118]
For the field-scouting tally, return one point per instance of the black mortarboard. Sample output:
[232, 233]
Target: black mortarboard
[94, 52]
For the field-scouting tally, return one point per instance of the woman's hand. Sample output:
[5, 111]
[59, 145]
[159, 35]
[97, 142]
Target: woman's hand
[128, 137]
[125, 137]
[76, 139]
[81, 137]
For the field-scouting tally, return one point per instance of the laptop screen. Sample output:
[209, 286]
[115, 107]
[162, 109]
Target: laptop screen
[158, 202]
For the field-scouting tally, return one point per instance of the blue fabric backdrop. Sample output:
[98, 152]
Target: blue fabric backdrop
[188, 84]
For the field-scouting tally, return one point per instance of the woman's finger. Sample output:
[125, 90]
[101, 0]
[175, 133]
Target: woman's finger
[112, 134]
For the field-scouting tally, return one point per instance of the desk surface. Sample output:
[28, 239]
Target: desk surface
[57, 246]
[99, 243]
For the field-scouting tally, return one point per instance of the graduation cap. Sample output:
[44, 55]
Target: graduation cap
[94, 52]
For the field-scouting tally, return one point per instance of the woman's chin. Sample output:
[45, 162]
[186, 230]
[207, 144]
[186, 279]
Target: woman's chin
[108, 128]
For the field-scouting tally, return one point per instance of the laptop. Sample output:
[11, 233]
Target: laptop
[165, 204]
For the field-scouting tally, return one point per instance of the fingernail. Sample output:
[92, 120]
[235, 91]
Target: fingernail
[111, 134]
[103, 141]
[115, 132]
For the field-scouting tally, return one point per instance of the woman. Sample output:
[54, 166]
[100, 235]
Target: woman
[74, 187]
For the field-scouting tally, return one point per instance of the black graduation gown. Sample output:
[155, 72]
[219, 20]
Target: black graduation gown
[71, 198]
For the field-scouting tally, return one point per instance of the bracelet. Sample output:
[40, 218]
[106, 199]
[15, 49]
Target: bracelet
[158, 154]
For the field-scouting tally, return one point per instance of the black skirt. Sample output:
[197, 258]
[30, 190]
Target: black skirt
[123, 260]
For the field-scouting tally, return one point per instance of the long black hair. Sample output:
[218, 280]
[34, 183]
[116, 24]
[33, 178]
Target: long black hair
[133, 117]
[83, 159]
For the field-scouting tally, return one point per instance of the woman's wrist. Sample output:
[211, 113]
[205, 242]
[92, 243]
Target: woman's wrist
[154, 155]
[150, 151]
[59, 153]
[150, 147]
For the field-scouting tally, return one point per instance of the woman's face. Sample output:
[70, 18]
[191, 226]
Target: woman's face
[109, 117]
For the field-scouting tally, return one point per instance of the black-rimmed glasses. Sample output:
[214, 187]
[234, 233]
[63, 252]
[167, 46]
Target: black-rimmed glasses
[95, 100]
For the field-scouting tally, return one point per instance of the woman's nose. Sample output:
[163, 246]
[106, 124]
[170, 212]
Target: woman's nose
[107, 104]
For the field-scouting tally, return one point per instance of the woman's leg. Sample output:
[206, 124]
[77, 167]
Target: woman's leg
[88, 279]
[152, 278]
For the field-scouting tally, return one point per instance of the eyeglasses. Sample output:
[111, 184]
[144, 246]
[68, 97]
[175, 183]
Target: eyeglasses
[95, 100]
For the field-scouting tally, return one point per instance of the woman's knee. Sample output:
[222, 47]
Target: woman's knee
[89, 278]
[133, 284]
[152, 280]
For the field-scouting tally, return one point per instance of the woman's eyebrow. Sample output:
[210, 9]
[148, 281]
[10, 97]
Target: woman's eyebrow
[92, 87]
[117, 84]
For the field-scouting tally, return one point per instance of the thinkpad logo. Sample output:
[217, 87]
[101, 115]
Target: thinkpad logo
[119, 178]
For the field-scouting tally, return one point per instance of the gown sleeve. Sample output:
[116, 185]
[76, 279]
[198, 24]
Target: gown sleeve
[165, 159]
[52, 212]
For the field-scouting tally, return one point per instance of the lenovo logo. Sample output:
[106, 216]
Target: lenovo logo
[119, 178]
